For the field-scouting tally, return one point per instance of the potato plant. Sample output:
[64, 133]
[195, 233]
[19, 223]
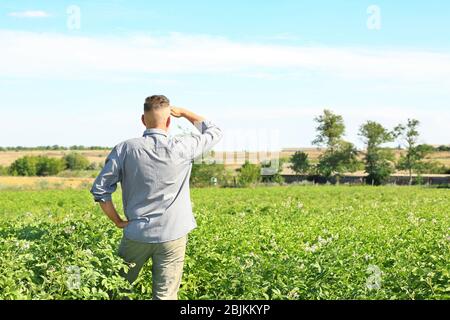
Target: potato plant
[297, 242]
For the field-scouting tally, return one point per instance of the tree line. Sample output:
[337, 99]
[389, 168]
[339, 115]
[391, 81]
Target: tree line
[340, 157]
[46, 166]
[379, 162]
[54, 148]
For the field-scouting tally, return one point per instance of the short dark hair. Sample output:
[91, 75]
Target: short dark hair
[156, 102]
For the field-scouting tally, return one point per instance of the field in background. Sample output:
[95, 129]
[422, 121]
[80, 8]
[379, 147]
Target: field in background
[265, 243]
[34, 183]
[98, 156]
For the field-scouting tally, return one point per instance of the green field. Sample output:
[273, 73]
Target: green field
[266, 243]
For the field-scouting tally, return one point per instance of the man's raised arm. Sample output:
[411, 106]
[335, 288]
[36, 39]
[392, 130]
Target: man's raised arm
[197, 145]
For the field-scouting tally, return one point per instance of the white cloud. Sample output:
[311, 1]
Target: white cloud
[30, 54]
[29, 14]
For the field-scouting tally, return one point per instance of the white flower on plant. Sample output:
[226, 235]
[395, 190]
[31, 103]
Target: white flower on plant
[321, 242]
[293, 294]
[23, 245]
[367, 257]
[373, 281]
[73, 277]
[287, 203]
[69, 229]
[413, 219]
[248, 264]
[274, 243]
[311, 248]
[253, 255]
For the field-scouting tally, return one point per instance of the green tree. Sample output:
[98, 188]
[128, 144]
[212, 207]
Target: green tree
[335, 162]
[300, 163]
[25, 166]
[249, 174]
[378, 161]
[340, 156]
[412, 160]
[76, 161]
[330, 130]
[46, 166]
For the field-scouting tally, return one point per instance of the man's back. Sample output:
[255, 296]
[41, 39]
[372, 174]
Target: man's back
[154, 172]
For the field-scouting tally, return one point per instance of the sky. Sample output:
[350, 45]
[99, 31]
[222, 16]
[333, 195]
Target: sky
[77, 72]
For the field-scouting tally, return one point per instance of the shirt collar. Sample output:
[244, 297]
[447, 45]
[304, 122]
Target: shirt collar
[152, 131]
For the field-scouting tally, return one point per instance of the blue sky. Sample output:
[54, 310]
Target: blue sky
[261, 69]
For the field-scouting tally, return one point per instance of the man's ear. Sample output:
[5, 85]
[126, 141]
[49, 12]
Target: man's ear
[143, 120]
[168, 122]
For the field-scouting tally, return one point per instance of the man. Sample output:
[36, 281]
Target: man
[154, 172]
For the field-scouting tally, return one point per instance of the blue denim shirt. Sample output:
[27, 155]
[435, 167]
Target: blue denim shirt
[154, 173]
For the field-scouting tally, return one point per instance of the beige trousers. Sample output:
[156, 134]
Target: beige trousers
[168, 261]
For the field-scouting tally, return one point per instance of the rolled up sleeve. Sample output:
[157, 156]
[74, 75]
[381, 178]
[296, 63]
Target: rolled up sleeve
[106, 182]
[196, 145]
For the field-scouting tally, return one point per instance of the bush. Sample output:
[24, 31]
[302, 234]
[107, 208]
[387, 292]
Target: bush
[49, 166]
[443, 148]
[300, 163]
[76, 161]
[36, 166]
[249, 174]
[432, 167]
[3, 171]
[93, 166]
[204, 174]
[25, 166]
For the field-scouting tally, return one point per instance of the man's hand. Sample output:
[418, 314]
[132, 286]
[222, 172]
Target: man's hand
[110, 211]
[189, 115]
[176, 112]
[121, 224]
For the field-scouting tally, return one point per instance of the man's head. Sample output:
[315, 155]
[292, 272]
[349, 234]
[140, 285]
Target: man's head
[156, 112]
